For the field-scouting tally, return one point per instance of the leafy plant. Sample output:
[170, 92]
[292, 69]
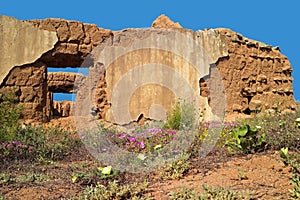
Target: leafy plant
[245, 138]
[208, 193]
[296, 183]
[294, 162]
[177, 169]
[297, 121]
[25, 178]
[2, 197]
[174, 117]
[10, 113]
[184, 193]
[114, 191]
[219, 193]
[181, 117]
[42, 144]
[280, 130]
[87, 176]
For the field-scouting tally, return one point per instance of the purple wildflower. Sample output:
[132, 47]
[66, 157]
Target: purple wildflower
[4, 144]
[73, 136]
[142, 144]
[122, 136]
[155, 130]
[132, 139]
[80, 134]
[172, 132]
[17, 143]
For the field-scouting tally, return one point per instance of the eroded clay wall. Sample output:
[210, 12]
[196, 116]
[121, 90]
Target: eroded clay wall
[29, 83]
[257, 77]
[75, 41]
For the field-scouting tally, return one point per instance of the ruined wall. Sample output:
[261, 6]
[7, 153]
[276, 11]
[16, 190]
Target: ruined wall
[257, 77]
[29, 82]
[75, 41]
[21, 45]
[63, 82]
[62, 109]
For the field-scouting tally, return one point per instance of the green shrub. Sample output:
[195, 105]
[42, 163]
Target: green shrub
[174, 117]
[2, 197]
[25, 178]
[296, 184]
[181, 117]
[184, 193]
[114, 191]
[10, 113]
[280, 130]
[88, 176]
[219, 193]
[208, 193]
[38, 143]
[177, 169]
[294, 162]
[246, 139]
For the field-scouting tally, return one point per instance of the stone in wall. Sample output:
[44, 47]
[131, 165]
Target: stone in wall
[21, 43]
[75, 41]
[29, 82]
[257, 77]
[63, 82]
[164, 22]
[62, 109]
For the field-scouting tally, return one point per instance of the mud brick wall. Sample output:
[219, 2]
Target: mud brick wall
[256, 76]
[75, 41]
[29, 83]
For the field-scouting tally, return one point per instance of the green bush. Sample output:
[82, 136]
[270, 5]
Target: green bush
[2, 197]
[184, 193]
[246, 139]
[38, 143]
[280, 130]
[294, 162]
[177, 169]
[114, 191]
[208, 193]
[181, 117]
[10, 113]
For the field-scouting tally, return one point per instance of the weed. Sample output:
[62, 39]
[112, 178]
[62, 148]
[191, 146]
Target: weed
[177, 169]
[219, 193]
[41, 144]
[87, 175]
[280, 130]
[114, 191]
[174, 117]
[184, 193]
[296, 183]
[208, 193]
[181, 117]
[242, 174]
[10, 113]
[2, 197]
[245, 138]
[294, 162]
[25, 178]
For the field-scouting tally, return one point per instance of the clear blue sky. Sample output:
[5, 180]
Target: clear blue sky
[273, 22]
